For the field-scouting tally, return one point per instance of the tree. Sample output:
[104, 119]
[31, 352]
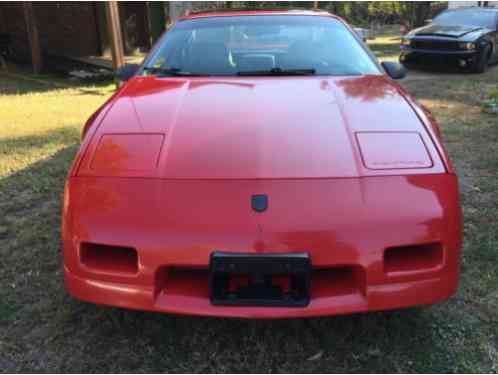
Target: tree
[178, 9]
[422, 10]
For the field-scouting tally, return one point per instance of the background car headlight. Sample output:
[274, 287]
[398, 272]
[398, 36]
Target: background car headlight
[467, 46]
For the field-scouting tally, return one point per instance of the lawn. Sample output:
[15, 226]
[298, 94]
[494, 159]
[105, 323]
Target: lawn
[42, 329]
[385, 44]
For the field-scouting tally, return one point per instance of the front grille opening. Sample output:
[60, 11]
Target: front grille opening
[187, 282]
[110, 259]
[438, 45]
[413, 258]
[338, 281]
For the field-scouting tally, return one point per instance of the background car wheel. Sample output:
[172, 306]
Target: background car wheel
[482, 62]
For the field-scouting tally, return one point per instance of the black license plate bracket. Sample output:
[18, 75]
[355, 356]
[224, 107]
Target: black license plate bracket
[277, 279]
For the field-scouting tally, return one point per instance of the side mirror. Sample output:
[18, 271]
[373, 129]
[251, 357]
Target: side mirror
[394, 70]
[126, 71]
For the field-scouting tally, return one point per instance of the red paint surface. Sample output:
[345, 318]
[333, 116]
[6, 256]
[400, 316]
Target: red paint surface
[186, 155]
[410, 150]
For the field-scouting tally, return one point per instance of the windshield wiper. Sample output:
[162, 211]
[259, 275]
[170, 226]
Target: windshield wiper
[278, 72]
[169, 72]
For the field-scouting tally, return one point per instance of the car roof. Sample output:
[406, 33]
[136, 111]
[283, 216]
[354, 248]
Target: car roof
[256, 12]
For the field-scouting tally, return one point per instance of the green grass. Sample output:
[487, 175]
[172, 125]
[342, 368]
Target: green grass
[385, 45]
[385, 48]
[44, 330]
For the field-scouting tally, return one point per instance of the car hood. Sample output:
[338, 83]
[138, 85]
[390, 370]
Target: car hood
[446, 31]
[265, 127]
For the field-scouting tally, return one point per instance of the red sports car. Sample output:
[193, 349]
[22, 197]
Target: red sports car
[261, 164]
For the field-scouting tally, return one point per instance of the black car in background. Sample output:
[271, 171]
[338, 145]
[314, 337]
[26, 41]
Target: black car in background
[465, 37]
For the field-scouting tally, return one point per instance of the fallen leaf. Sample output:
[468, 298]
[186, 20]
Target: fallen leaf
[316, 356]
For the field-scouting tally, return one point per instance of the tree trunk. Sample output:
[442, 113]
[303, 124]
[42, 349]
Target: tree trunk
[33, 37]
[178, 9]
[422, 10]
[113, 24]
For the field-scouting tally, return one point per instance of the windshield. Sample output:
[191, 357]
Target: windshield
[260, 45]
[467, 17]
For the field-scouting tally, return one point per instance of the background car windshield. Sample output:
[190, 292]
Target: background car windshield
[260, 45]
[467, 17]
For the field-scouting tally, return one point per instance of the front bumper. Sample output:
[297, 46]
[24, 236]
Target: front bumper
[346, 225]
[428, 57]
[196, 302]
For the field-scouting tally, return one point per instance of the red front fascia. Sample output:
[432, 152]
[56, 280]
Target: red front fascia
[168, 166]
[343, 222]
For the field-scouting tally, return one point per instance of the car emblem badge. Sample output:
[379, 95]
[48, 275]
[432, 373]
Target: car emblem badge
[259, 202]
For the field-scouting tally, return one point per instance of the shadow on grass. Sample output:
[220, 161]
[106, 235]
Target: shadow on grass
[30, 203]
[398, 341]
[25, 144]
[40, 176]
[22, 84]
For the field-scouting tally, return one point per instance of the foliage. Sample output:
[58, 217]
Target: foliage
[490, 105]
[494, 95]
[359, 13]
[385, 12]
